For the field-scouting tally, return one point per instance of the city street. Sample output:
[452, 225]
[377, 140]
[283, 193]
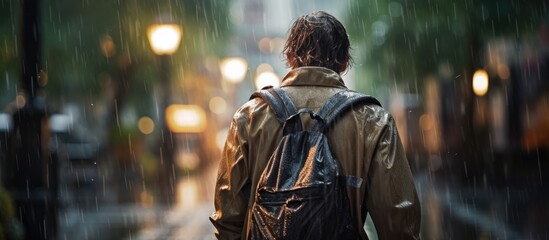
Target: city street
[449, 211]
[116, 114]
[136, 222]
[187, 218]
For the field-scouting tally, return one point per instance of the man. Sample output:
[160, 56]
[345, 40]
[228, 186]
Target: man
[365, 140]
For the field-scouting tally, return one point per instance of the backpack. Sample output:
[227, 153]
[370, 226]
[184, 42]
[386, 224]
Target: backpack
[302, 194]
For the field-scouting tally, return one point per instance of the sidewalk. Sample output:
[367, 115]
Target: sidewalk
[106, 222]
[453, 211]
[449, 211]
[187, 218]
[181, 224]
[135, 222]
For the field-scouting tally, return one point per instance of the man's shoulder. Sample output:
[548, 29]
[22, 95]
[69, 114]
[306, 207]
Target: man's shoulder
[373, 113]
[252, 107]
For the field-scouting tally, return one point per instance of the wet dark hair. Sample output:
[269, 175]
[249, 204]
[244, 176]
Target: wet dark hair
[318, 39]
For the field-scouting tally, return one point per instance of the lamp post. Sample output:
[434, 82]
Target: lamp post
[31, 175]
[164, 39]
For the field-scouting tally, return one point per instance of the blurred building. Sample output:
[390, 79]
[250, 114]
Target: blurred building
[261, 28]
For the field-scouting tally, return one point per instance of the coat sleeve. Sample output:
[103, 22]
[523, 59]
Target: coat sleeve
[230, 203]
[391, 197]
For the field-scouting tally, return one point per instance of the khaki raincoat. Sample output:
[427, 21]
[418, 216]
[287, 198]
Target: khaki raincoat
[365, 141]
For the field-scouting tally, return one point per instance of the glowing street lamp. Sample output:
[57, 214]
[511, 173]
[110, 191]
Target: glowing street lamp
[164, 38]
[480, 82]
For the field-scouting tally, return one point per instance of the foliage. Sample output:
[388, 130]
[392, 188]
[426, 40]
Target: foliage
[71, 32]
[9, 65]
[10, 228]
[406, 40]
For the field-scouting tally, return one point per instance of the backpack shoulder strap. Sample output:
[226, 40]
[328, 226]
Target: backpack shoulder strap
[335, 106]
[341, 102]
[278, 100]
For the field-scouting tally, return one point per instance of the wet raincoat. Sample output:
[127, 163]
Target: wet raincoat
[365, 141]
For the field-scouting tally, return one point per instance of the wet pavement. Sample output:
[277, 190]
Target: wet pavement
[186, 218]
[450, 211]
[482, 209]
[181, 224]
[135, 222]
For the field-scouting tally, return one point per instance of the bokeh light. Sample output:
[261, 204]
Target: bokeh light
[480, 82]
[145, 125]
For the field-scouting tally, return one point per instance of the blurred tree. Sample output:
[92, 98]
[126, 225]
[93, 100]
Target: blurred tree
[403, 41]
[97, 56]
[10, 227]
[10, 23]
[76, 57]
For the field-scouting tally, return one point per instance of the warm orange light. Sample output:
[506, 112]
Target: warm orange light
[187, 160]
[185, 118]
[108, 48]
[164, 38]
[145, 125]
[234, 69]
[480, 82]
[503, 71]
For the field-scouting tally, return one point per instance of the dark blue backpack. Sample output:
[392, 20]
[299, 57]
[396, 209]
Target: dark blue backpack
[301, 193]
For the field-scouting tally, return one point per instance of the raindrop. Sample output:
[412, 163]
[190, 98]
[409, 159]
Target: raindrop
[517, 28]
[436, 45]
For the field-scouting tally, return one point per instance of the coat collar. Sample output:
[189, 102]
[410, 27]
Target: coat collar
[313, 76]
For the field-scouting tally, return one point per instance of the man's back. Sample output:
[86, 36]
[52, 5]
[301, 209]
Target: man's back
[364, 141]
